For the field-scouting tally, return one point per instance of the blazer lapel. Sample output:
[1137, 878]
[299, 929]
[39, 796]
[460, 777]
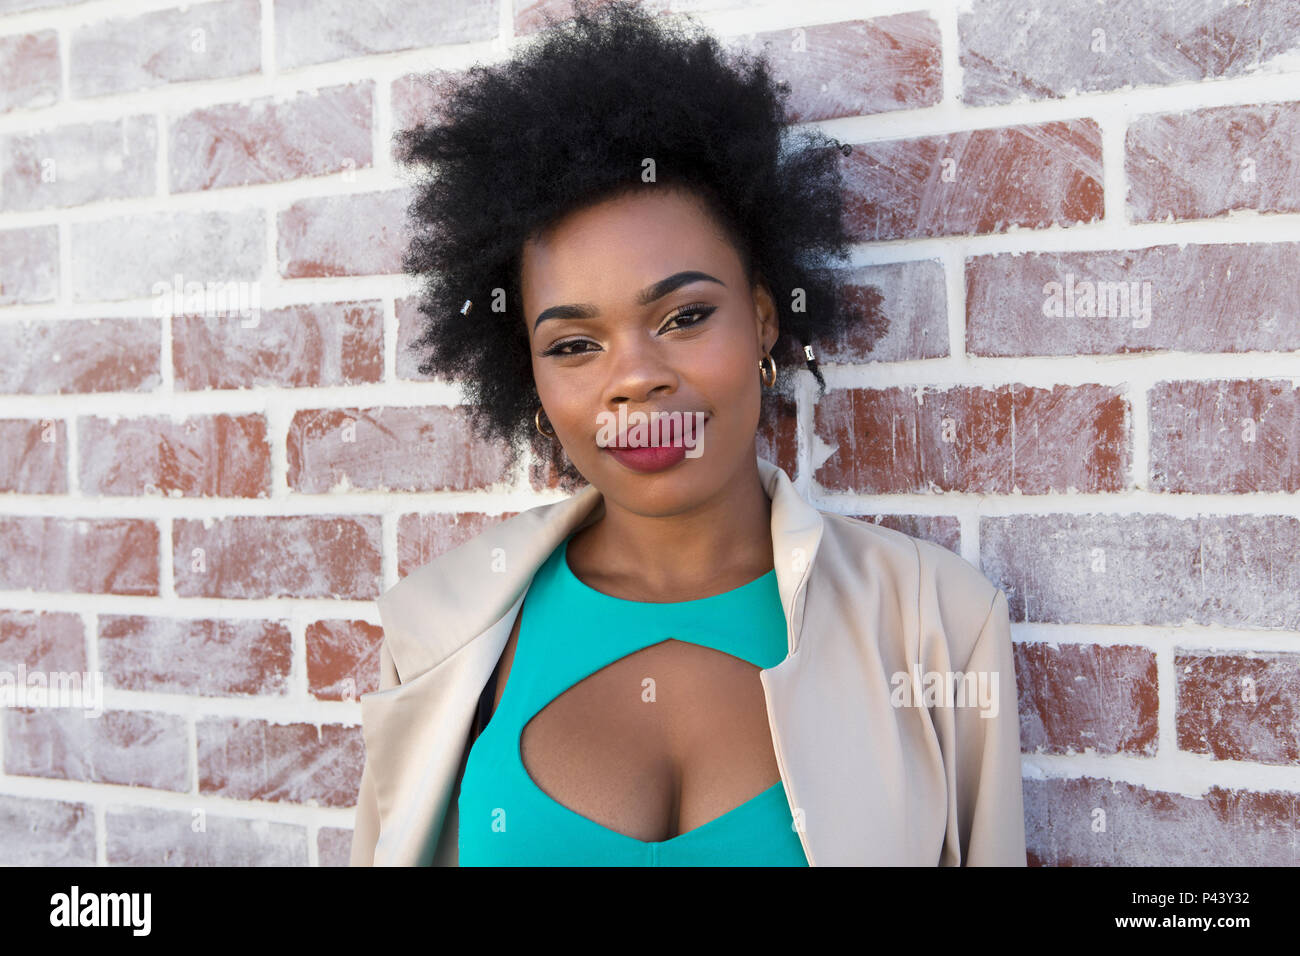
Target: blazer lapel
[446, 625]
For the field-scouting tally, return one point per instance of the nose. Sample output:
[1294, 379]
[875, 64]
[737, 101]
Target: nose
[640, 370]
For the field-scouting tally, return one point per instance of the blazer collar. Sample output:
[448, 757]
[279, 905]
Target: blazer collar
[469, 599]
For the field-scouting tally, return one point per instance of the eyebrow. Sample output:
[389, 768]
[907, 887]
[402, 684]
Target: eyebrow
[650, 293]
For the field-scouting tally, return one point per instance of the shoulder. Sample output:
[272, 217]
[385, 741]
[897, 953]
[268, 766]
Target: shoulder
[466, 547]
[937, 586]
[926, 558]
[436, 607]
[464, 590]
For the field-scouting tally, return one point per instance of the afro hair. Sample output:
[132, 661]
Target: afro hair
[568, 121]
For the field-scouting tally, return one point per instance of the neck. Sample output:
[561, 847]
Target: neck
[721, 542]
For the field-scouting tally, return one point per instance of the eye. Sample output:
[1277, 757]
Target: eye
[700, 309]
[560, 347]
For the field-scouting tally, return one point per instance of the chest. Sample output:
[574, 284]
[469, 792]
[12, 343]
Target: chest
[657, 743]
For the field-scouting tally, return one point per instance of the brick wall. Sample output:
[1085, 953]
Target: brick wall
[1083, 218]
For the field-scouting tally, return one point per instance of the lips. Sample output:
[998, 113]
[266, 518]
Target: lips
[653, 458]
[673, 428]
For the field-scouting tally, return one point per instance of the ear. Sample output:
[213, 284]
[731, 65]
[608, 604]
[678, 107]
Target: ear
[766, 322]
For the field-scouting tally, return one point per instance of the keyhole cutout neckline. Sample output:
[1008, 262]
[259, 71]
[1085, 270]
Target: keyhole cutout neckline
[772, 796]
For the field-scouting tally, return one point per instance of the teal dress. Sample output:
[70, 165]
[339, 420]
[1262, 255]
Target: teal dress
[569, 631]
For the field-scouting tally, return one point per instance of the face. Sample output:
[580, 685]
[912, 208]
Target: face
[612, 333]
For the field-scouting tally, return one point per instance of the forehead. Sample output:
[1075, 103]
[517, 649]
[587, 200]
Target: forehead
[616, 247]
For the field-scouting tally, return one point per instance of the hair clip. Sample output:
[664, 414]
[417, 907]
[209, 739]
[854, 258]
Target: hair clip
[807, 350]
[465, 308]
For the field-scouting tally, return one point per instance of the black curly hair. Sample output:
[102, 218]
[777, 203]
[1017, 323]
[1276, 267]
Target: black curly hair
[567, 122]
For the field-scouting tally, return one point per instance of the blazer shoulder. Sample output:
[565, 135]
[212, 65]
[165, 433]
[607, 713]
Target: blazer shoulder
[953, 573]
[965, 602]
[409, 609]
[419, 586]
[860, 534]
[949, 587]
[435, 609]
[934, 559]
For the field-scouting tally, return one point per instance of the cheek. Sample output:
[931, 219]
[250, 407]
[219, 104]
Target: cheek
[568, 398]
[729, 371]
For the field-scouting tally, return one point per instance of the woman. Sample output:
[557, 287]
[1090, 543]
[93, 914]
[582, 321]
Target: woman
[684, 663]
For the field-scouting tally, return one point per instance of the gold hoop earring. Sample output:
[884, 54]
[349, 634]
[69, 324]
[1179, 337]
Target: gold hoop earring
[537, 420]
[768, 370]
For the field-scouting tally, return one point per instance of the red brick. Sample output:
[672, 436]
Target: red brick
[246, 759]
[1222, 297]
[777, 437]
[1238, 706]
[943, 530]
[126, 747]
[1205, 163]
[1064, 820]
[141, 254]
[42, 640]
[152, 836]
[421, 538]
[36, 832]
[342, 659]
[318, 31]
[1230, 437]
[213, 658]
[277, 556]
[207, 41]
[204, 456]
[530, 15]
[546, 466]
[334, 846]
[399, 449]
[824, 65]
[352, 235]
[79, 163]
[410, 326]
[80, 355]
[87, 555]
[29, 70]
[902, 315]
[329, 343]
[33, 456]
[414, 98]
[975, 182]
[1020, 49]
[544, 470]
[264, 140]
[29, 265]
[1080, 698]
[975, 439]
[1225, 570]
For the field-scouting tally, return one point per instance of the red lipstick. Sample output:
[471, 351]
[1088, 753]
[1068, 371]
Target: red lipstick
[653, 458]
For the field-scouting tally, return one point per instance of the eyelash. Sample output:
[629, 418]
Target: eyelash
[699, 308]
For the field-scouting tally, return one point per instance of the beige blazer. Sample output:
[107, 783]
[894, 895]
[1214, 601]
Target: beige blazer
[877, 769]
